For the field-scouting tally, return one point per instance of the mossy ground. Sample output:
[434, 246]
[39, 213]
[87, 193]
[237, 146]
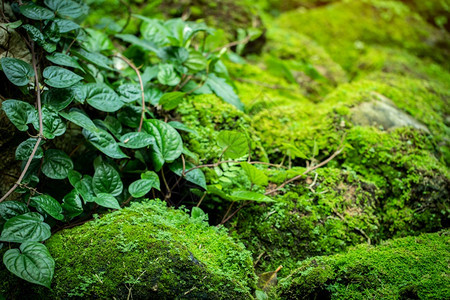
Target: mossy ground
[406, 268]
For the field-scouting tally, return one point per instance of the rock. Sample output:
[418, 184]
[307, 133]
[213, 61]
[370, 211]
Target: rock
[383, 113]
[146, 251]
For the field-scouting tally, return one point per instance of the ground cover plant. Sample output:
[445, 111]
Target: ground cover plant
[182, 148]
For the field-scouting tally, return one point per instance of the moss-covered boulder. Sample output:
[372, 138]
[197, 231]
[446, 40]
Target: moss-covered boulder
[389, 23]
[146, 251]
[406, 268]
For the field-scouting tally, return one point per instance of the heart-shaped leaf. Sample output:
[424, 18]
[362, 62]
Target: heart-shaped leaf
[233, 143]
[141, 187]
[25, 149]
[17, 71]
[29, 227]
[36, 12]
[195, 176]
[85, 188]
[196, 61]
[150, 175]
[168, 146]
[10, 209]
[103, 98]
[66, 25]
[31, 262]
[19, 113]
[58, 99]
[107, 180]
[53, 125]
[107, 200]
[136, 140]
[65, 8]
[49, 204]
[56, 164]
[72, 204]
[59, 77]
[104, 142]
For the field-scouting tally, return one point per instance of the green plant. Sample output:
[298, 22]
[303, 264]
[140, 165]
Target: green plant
[100, 127]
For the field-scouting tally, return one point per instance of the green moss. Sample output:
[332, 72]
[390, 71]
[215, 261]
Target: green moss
[407, 268]
[373, 22]
[154, 251]
[339, 210]
[208, 115]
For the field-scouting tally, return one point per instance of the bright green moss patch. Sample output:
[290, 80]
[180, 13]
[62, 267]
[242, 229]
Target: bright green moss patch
[208, 115]
[154, 251]
[407, 268]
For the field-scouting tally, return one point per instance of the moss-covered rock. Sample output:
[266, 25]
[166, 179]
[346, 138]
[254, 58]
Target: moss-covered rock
[146, 251]
[407, 268]
[373, 22]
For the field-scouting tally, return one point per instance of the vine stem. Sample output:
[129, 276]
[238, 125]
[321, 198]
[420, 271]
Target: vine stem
[41, 132]
[130, 63]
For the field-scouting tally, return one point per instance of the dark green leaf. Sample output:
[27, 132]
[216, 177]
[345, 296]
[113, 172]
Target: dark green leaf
[104, 142]
[73, 177]
[195, 176]
[107, 180]
[136, 140]
[66, 25]
[36, 12]
[107, 200]
[78, 117]
[103, 98]
[171, 100]
[19, 113]
[53, 125]
[65, 8]
[56, 164]
[173, 54]
[85, 188]
[130, 115]
[52, 33]
[64, 60]
[141, 187]
[168, 146]
[37, 36]
[32, 263]
[25, 149]
[233, 143]
[72, 204]
[223, 90]
[29, 227]
[58, 99]
[153, 96]
[17, 71]
[150, 175]
[59, 77]
[49, 205]
[10, 209]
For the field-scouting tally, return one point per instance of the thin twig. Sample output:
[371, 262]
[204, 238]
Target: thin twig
[235, 43]
[130, 63]
[304, 173]
[201, 199]
[169, 192]
[41, 133]
[128, 16]
[235, 212]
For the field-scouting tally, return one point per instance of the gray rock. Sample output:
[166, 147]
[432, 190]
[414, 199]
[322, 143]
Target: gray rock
[382, 112]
